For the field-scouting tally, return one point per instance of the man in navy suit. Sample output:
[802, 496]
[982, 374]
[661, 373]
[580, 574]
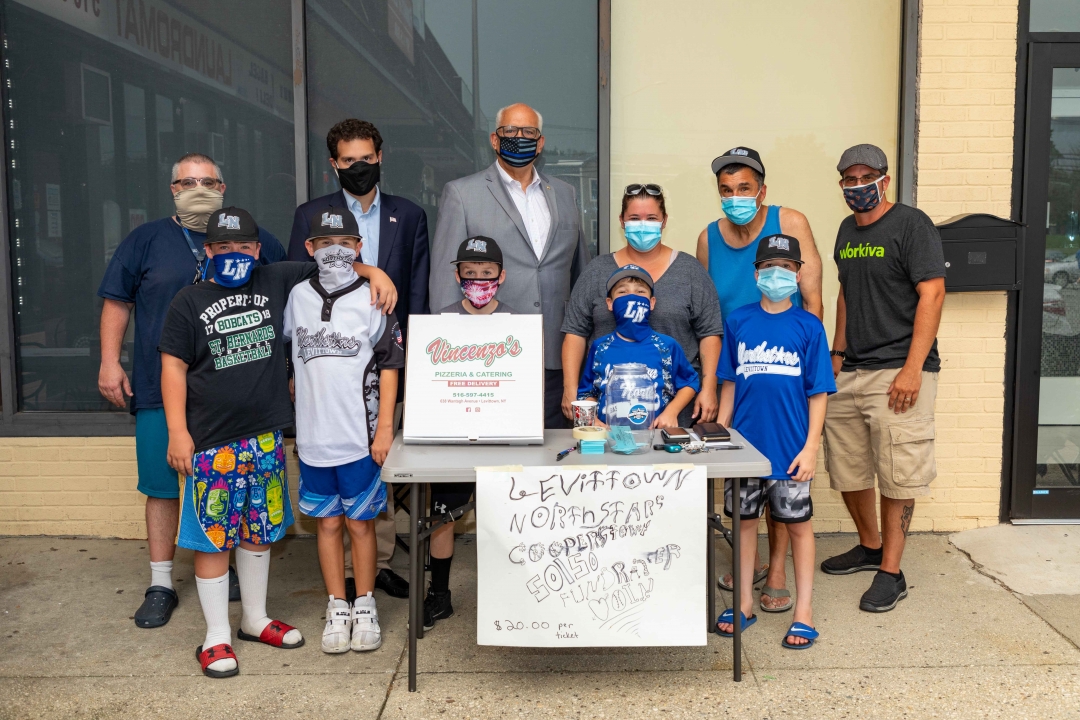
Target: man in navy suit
[396, 240]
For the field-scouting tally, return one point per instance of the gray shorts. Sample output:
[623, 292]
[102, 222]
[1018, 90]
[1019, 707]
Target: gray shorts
[789, 501]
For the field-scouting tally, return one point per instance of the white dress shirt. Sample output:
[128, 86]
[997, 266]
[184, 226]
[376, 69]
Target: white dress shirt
[532, 206]
[368, 223]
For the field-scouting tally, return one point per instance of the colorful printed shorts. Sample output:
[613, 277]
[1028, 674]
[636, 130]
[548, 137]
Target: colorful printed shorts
[239, 492]
[788, 501]
[355, 490]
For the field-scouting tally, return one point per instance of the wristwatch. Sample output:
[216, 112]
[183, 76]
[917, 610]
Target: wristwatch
[838, 353]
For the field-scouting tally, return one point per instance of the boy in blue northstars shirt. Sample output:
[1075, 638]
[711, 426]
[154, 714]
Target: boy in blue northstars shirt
[630, 298]
[777, 376]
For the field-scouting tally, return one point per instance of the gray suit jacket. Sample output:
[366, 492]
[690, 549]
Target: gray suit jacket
[480, 205]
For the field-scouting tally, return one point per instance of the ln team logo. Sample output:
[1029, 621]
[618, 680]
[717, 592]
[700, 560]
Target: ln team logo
[236, 268]
[635, 311]
[477, 245]
[229, 222]
[332, 221]
[780, 242]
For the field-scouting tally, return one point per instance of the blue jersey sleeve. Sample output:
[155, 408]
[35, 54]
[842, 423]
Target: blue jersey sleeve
[587, 385]
[725, 368]
[818, 374]
[683, 373]
[121, 279]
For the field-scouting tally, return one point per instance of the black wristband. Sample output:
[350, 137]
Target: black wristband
[838, 353]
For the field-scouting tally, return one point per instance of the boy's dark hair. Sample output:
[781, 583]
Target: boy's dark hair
[352, 129]
[635, 280]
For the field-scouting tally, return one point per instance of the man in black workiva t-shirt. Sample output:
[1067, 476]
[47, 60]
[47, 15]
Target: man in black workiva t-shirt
[881, 419]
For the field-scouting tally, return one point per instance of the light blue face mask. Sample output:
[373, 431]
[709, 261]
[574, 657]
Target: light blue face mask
[643, 235]
[777, 283]
[740, 210]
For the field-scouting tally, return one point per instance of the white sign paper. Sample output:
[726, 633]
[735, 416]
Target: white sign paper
[474, 376]
[591, 556]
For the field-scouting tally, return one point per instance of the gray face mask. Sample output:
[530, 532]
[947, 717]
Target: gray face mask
[195, 206]
[335, 266]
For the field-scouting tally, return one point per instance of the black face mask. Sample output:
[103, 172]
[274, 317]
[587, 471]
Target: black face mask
[359, 178]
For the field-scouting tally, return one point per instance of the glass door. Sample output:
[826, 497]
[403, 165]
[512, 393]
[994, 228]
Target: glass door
[1048, 483]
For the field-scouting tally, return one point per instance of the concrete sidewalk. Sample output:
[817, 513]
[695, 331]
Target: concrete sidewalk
[963, 644]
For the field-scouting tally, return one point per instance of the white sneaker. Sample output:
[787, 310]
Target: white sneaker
[335, 636]
[366, 633]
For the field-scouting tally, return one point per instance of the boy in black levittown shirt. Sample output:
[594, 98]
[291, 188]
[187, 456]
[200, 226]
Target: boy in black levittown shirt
[224, 385]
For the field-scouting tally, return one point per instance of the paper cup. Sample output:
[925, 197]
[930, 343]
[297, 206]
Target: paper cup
[584, 412]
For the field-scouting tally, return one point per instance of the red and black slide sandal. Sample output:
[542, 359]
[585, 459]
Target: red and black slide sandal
[272, 635]
[222, 651]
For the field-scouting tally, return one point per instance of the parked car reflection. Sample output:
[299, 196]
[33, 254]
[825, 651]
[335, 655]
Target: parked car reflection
[1061, 268]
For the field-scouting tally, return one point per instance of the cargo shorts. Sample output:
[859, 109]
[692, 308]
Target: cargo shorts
[864, 438]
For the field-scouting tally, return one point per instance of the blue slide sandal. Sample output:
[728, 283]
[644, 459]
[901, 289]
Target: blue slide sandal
[799, 629]
[729, 617]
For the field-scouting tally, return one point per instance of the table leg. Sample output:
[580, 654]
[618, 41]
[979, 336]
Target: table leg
[420, 574]
[414, 584]
[710, 556]
[736, 574]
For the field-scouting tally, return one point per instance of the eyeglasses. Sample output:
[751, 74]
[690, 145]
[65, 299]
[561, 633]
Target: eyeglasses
[648, 188]
[518, 131]
[849, 181]
[190, 182]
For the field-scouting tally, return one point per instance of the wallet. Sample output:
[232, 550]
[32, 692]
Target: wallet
[712, 432]
[678, 436]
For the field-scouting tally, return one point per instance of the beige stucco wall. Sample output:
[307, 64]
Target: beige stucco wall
[800, 100]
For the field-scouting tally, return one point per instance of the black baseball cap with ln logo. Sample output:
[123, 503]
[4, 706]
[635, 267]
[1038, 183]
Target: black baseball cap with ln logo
[778, 246]
[333, 222]
[231, 223]
[739, 156]
[479, 249]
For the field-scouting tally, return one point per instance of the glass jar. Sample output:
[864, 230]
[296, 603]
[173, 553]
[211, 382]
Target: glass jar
[630, 402]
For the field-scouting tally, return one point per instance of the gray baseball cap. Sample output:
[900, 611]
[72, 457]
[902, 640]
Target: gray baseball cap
[866, 154]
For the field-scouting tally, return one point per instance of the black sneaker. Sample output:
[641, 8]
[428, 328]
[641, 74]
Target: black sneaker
[854, 560]
[884, 593]
[436, 607]
[234, 585]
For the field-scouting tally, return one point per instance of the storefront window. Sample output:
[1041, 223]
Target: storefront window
[102, 97]
[431, 80]
[1054, 16]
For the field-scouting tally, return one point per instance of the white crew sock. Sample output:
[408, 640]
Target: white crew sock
[214, 598]
[253, 569]
[161, 573]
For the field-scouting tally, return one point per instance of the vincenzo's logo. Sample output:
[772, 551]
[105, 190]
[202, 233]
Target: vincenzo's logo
[861, 250]
[442, 351]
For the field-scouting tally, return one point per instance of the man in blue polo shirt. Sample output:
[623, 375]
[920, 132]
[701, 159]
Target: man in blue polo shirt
[149, 267]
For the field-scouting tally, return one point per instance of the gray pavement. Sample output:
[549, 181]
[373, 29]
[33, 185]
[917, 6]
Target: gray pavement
[964, 644]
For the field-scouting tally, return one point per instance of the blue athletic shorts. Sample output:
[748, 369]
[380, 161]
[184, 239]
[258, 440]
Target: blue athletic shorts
[156, 478]
[239, 492]
[355, 490]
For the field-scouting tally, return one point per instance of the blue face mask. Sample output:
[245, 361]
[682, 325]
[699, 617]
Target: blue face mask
[518, 151]
[740, 210]
[632, 317]
[233, 269]
[863, 198]
[643, 235]
[777, 283]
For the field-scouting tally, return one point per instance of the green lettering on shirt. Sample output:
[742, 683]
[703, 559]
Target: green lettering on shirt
[861, 250]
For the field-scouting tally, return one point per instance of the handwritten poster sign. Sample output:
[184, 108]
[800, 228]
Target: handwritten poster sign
[474, 378]
[591, 556]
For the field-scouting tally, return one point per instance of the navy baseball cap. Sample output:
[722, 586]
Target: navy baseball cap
[778, 246]
[627, 271]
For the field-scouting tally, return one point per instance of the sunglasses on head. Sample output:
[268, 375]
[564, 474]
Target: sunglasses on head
[648, 188]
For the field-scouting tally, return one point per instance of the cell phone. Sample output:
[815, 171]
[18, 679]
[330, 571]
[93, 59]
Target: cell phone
[712, 432]
[679, 436]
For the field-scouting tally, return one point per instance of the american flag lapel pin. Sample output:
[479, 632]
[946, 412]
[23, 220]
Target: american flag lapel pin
[393, 219]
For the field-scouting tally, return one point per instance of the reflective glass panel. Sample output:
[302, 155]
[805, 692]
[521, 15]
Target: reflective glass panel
[431, 79]
[1058, 454]
[1054, 16]
[103, 96]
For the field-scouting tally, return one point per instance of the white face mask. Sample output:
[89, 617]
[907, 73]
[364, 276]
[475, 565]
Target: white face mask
[335, 266]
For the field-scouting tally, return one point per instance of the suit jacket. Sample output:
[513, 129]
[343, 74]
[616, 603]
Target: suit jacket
[480, 205]
[403, 247]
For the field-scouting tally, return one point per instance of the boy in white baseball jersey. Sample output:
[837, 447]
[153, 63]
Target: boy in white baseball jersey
[346, 356]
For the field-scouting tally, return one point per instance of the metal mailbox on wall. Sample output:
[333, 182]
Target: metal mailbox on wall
[980, 252]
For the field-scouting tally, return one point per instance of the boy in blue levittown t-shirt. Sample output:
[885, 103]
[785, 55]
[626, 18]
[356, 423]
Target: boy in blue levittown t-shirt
[630, 297]
[776, 379]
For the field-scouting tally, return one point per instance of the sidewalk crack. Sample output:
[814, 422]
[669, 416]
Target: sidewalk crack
[393, 679]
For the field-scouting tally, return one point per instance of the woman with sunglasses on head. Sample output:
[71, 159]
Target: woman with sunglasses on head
[687, 307]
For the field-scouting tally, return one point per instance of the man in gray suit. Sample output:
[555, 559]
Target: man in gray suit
[535, 220]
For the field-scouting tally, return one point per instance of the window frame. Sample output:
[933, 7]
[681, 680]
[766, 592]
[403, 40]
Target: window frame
[15, 423]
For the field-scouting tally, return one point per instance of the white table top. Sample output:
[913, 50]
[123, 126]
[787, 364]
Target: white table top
[457, 463]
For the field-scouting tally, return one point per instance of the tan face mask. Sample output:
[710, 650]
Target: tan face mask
[194, 206]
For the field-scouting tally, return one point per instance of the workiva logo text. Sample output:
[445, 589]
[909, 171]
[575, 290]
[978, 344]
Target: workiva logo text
[860, 251]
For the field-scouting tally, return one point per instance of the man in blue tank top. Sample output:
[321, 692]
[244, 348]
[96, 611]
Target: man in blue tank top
[727, 248]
